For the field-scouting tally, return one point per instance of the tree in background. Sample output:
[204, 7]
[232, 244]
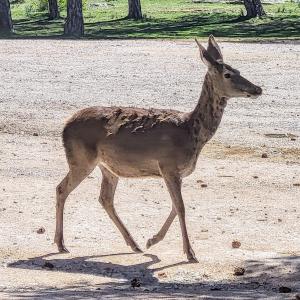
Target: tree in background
[254, 8]
[5, 16]
[74, 25]
[134, 10]
[53, 9]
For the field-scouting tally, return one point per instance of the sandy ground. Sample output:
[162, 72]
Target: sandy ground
[248, 198]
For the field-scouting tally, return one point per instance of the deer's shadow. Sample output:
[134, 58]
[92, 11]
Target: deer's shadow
[260, 281]
[92, 266]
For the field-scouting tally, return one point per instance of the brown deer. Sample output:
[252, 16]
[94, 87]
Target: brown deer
[136, 142]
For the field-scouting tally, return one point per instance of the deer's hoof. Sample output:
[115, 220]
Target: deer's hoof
[152, 242]
[136, 249]
[60, 244]
[193, 260]
[191, 256]
[63, 249]
[149, 243]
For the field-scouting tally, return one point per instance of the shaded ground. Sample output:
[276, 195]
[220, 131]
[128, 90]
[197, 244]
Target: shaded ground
[164, 19]
[184, 27]
[248, 198]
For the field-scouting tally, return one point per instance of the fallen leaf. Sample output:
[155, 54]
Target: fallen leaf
[162, 275]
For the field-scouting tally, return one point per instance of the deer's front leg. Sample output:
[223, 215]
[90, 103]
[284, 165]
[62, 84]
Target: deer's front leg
[173, 182]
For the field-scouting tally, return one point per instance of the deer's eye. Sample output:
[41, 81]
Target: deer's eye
[227, 75]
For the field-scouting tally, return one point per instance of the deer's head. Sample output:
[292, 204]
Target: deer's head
[227, 81]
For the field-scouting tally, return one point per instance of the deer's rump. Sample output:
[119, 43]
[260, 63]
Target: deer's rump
[130, 142]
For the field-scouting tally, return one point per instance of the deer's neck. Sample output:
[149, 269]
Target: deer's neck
[207, 115]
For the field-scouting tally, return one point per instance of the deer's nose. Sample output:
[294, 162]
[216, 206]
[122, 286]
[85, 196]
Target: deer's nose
[258, 90]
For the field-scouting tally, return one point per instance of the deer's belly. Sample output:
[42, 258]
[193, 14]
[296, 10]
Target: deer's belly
[141, 167]
[142, 160]
[126, 167]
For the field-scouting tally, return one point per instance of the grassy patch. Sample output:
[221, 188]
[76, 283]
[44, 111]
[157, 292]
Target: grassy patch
[163, 19]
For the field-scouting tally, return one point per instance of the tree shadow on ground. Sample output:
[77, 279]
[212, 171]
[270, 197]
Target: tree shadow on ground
[262, 279]
[201, 25]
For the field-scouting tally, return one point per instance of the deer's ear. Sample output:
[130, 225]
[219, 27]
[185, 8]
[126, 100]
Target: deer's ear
[205, 56]
[213, 49]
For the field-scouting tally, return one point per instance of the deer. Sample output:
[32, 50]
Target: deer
[135, 142]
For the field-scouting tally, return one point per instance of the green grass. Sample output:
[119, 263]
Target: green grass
[163, 19]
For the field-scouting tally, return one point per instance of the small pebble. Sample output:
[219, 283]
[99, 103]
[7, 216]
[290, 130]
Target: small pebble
[135, 282]
[238, 271]
[284, 289]
[236, 244]
[41, 230]
[264, 155]
[48, 265]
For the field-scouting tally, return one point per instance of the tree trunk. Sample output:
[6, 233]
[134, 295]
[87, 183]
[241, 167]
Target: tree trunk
[254, 8]
[74, 23]
[53, 9]
[5, 16]
[134, 9]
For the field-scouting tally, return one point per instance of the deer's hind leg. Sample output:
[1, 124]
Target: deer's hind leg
[80, 166]
[108, 188]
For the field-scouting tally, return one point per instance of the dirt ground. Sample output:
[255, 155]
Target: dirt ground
[248, 198]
